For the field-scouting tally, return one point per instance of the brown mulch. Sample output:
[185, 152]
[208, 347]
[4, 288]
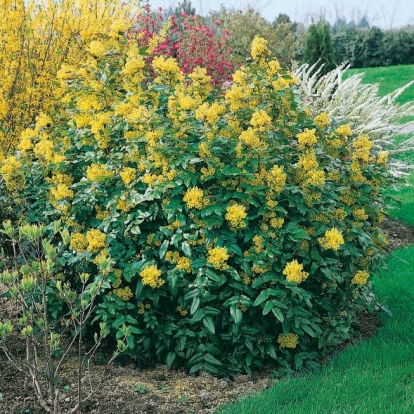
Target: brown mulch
[399, 234]
[129, 390]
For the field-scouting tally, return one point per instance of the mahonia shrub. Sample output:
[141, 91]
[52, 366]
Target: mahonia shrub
[236, 231]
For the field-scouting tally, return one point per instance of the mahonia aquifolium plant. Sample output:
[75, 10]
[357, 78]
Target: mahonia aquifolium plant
[236, 231]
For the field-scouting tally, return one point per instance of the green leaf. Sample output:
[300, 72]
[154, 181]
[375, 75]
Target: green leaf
[195, 304]
[135, 330]
[214, 276]
[213, 208]
[308, 330]
[163, 249]
[270, 350]
[264, 295]
[278, 313]
[212, 360]
[191, 294]
[268, 307]
[130, 340]
[211, 368]
[196, 264]
[198, 316]
[195, 368]
[181, 343]
[185, 247]
[171, 358]
[209, 324]
[196, 359]
[236, 314]
[236, 250]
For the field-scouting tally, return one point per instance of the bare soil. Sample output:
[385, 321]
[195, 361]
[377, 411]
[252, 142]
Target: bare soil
[129, 390]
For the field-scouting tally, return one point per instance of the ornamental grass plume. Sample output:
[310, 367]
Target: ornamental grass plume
[359, 107]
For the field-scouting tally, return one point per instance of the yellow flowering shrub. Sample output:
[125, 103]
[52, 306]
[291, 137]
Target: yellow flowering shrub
[41, 35]
[227, 212]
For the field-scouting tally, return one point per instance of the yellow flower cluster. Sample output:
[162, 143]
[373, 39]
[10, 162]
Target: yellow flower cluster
[258, 243]
[124, 293]
[218, 257]
[315, 177]
[236, 214]
[11, 171]
[276, 178]
[98, 172]
[96, 240]
[259, 48]
[210, 112]
[344, 130]
[360, 277]
[261, 120]
[382, 157]
[332, 239]
[60, 192]
[124, 205]
[308, 161]
[250, 138]
[273, 68]
[151, 276]
[322, 120]
[133, 65]
[237, 97]
[294, 272]
[78, 242]
[97, 48]
[194, 198]
[277, 223]
[307, 137]
[289, 340]
[142, 308]
[101, 214]
[89, 103]
[128, 175]
[362, 146]
[118, 278]
[339, 214]
[182, 311]
[182, 263]
[167, 68]
[360, 213]
[240, 76]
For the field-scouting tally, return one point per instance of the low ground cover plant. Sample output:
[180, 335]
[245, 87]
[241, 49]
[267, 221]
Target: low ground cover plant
[236, 230]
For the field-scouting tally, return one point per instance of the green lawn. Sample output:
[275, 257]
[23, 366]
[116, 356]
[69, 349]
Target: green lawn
[390, 78]
[375, 376]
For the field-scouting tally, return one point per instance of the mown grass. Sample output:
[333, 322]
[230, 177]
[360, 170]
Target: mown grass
[389, 78]
[375, 376]
[405, 193]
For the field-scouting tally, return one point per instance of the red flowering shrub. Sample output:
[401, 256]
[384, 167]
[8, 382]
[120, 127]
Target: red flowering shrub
[188, 40]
